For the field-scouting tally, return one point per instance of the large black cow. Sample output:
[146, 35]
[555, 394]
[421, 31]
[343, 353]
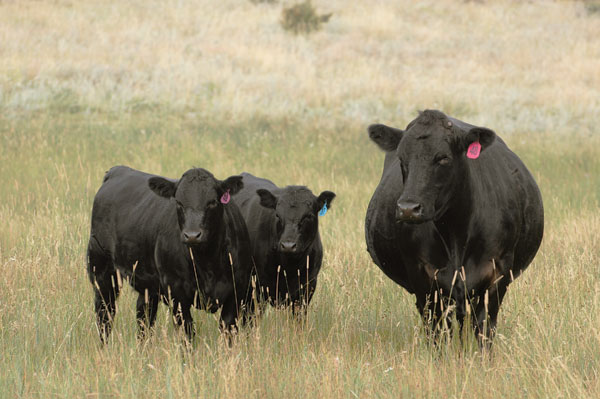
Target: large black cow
[455, 218]
[174, 240]
[286, 245]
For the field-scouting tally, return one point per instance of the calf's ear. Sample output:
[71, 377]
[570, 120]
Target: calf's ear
[163, 187]
[325, 197]
[233, 184]
[267, 199]
[387, 138]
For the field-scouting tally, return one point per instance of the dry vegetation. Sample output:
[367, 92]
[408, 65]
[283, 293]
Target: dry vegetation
[162, 86]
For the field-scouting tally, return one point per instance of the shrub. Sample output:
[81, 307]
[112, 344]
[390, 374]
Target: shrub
[302, 18]
[592, 7]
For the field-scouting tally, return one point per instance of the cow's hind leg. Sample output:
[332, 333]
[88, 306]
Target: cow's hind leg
[146, 309]
[103, 277]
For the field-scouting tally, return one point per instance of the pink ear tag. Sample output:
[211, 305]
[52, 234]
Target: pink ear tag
[474, 150]
[225, 197]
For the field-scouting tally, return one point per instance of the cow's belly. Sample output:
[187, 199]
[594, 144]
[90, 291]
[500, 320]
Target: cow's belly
[387, 256]
[136, 264]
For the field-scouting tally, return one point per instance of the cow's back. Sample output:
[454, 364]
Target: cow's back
[246, 198]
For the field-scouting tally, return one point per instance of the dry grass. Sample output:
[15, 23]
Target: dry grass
[533, 64]
[163, 86]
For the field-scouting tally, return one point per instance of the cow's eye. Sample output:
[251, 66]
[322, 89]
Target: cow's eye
[212, 204]
[404, 170]
[442, 161]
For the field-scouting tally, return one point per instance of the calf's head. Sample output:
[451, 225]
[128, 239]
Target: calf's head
[433, 152]
[200, 200]
[295, 216]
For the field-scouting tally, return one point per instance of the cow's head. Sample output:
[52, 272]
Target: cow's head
[433, 158]
[295, 212]
[199, 199]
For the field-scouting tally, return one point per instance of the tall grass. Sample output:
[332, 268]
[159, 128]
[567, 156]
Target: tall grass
[164, 86]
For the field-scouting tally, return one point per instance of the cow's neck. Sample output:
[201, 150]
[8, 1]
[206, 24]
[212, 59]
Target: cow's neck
[289, 261]
[453, 225]
[213, 250]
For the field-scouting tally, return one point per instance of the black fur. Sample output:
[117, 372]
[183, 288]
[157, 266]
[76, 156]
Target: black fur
[146, 229]
[278, 217]
[437, 217]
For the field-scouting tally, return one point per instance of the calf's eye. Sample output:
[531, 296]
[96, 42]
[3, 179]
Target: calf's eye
[443, 161]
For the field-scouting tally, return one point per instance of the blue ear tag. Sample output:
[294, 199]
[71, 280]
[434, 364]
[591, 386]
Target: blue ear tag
[323, 210]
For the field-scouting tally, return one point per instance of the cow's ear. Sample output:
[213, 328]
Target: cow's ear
[387, 138]
[326, 197]
[163, 187]
[484, 136]
[233, 184]
[267, 199]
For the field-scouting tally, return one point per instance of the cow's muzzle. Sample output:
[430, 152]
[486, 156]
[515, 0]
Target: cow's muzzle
[411, 212]
[288, 247]
[195, 237]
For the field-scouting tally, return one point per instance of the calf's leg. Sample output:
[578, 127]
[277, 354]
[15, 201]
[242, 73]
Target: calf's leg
[146, 309]
[106, 284]
[300, 306]
[182, 316]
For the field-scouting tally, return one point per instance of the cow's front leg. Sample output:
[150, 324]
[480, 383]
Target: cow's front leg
[146, 309]
[430, 308]
[182, 316]
[447, 297]
[229, 316]
[228, 323]
[486, 314]
[306, 292]
[493, 276]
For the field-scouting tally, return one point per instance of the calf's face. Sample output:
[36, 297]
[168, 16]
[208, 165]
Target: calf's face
[433, 155]
[200, 200]
[295, 216]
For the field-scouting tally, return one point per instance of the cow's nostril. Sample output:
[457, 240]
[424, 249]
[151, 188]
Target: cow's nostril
[191, 236]
[288, 246]
[409, 210]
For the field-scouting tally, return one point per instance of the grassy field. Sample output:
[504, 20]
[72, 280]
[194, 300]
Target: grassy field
[164, 86]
